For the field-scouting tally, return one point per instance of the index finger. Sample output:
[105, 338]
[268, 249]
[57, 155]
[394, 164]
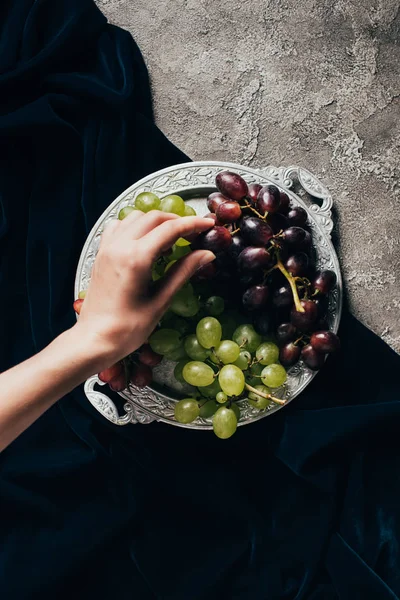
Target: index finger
[166, 234]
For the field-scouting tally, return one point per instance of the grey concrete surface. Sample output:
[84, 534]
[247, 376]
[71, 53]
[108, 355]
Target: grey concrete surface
[308, 82]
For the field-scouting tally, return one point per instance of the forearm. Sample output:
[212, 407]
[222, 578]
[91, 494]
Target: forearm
[29, 389]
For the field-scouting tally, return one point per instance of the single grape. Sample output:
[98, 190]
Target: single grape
[194, 349]
[147, 201]
[221, 398]
[297, 264]
[185, 303]
[210, 391]
[285, 333]
[163, 341]
[253, 258]
[119, 383]
[216, 240]
[224, 423]
[262, 323]
[285, 202]
[124, 212]
[231, 380]
[268, 200]
[273, 376]
[304, 320]
[228, 212]
[255, 232]
[179, 324]
[259, 401]
[148, 357]
[246, 337]
[324, 281]
[297, 216]
[214, 200]
[231, 185]
[243, 360]
[322, 303]
[187, 410]
[209, 332]
[237, 246]
[294, 236]
[254, 376]
[189, 211]
[325, 342]
[179, 369]
[254, 190]
[215, 305]
[277, 222]
[206, 272]
[141, 376]
[227, 351]
[82, 294]
[289, 354]
[111, 373]
[312, 358]
[267, 353]
[208, 409]
[173, 204]
[247, 280]
[198, 374]
[178, 252]
[306, 244]
[283, 296]
[77, 305]
[255, 297]
[177, 354]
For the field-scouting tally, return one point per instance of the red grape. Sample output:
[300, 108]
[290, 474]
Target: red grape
[237, 245]
[108, 374]
[297, 216]
[254, 189]
[214, 200]
[231, 185]
[148, 357]
[255, 297]
[278, 222]
[295, 236]
[285, 202]
[325, 342]
[253, 259]
[205, 272]
[216, 239]
[251, 278]
[262, 323]
[228, 212]
[325, 281]
[285, 333]
[313, 359]
[268, 199]
[289, 354]
[304, 320]
[118, 383]
[256, 232]
[78, 305]
[283, 296]
[214, 217]
[141, 376]
[297, 264]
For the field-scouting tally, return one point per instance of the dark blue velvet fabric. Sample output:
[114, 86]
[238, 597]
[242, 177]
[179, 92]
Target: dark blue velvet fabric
[302, 505]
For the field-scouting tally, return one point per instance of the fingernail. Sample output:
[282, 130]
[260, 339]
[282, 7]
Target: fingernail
[206, 258]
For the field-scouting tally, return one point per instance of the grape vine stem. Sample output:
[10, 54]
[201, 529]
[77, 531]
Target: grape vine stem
[267, 396]
[292, 284]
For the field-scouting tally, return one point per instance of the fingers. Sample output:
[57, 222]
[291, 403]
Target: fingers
[166, 234]
[184, 269]
[149, 221]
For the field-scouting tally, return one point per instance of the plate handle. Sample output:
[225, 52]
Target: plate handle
[287, 177]
[106, 407]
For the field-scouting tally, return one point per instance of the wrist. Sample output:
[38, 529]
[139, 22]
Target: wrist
[93, 351]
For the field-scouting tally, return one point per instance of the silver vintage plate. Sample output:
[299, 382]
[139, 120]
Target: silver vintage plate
[194, 181]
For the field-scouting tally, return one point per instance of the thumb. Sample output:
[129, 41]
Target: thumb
[180, 273]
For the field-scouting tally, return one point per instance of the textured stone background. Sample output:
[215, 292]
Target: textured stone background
[314, 83]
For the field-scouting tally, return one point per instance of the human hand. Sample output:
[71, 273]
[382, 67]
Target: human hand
[122, 306]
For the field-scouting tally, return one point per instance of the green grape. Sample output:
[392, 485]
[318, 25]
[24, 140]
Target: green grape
[236, 410]
[124, 212]
[164, 341]
[255, 370]
[178, 370]
[173, 322]
[267, 353]
[210, 391]
[274, 376]
[197, 373]
[147, 201]
[178, 252]
[208, 409]
[181, 243]
[215, 305]
[194, 349]
[189, 211]
[186, 410]
[82, 294]
[227, 352]
[214, 358]
[176, 355]
[258, 401]
[185, 303]
[243, 360]
[224, 423]
[209, 332]
[231, 380]
[221, 398]
[173, 204]
[246, 337]
[228, 324]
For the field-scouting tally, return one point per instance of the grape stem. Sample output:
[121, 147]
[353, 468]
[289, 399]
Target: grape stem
[267, 396]
[236, 231]
[259, 215]
[292, 284]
